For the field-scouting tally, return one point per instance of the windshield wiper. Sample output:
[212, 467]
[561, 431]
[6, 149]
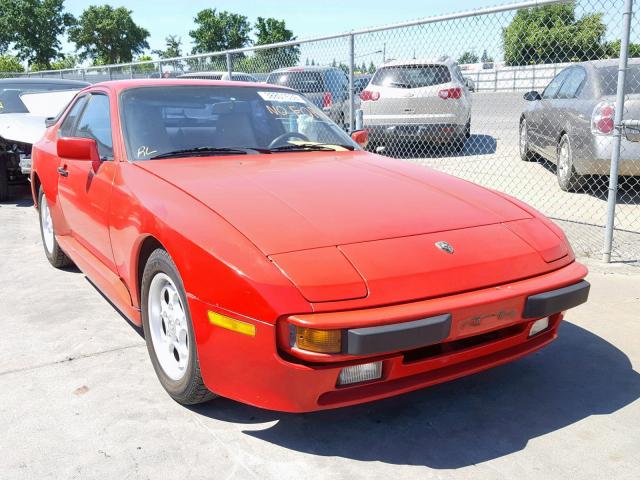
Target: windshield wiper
[310, 147]
[207, 151]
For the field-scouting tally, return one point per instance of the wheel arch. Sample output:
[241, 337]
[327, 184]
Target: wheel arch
[35, 188]
[147, 246]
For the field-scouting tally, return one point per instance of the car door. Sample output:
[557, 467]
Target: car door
[84, 187]
[539, 120]
[569, 116]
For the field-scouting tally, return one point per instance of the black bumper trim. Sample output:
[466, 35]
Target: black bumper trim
[555, 301]
[398, 336]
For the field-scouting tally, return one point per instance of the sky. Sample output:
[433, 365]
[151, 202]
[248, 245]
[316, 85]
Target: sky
[304, 18]
[323, 17]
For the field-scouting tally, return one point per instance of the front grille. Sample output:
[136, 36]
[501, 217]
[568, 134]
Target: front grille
[446, 348]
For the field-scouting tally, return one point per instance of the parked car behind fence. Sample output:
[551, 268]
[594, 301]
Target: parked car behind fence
[572, 122]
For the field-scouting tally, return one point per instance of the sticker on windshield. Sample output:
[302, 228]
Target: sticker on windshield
[281, 97]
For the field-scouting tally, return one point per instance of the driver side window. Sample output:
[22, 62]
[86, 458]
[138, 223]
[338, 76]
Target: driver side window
[555, 84]
[95, 123]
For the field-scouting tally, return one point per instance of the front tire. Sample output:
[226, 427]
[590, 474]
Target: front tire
[168, 331]
[568, 178]
[52, 250]
[523, 142]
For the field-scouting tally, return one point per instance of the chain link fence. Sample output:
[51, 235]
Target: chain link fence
[535, 117]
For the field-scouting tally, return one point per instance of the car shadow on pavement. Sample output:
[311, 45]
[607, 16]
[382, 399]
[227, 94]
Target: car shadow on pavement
[598, 186]
[19, 196]
[475, 145]
[464, 422]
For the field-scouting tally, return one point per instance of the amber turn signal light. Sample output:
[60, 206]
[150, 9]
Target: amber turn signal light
[321, 341]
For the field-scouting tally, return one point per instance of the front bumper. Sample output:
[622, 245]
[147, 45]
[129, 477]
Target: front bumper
[488, 327]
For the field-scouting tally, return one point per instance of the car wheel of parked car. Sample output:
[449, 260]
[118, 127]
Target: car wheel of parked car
[457, 145]
[52, 250]
[4, 180]
[525, 154]
[168, 331]
[568, 179]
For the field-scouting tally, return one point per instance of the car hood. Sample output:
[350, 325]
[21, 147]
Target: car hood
[22, 127]
[360, 227]
[291, 202]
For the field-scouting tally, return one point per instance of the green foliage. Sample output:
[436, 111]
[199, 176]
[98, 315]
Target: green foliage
[173, 49]
[270, 30]
[553, 34]
[65, 62]
[36, 27]
[7, 31]
[486, 58]
[9, 63]
[108, 35]
[372, 68]
[613, 49]
[145, 67]
[218, 31]
[468, 57]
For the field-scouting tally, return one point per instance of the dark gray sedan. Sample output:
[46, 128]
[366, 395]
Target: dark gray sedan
[572, 122]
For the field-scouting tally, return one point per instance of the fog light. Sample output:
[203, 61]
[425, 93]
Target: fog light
[538, 326]
[316, 340]
[360, 373]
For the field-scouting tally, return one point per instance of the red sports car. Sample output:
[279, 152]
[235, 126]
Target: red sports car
[270, 259]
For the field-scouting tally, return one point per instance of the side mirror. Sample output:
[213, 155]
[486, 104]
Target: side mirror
[49, 121]
[361, 137]
[532, 96]
[78, 148]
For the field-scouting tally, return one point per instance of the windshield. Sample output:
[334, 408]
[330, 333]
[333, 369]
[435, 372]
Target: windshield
[160, 120]
[412, 76]
[10, 101]
[305, 82]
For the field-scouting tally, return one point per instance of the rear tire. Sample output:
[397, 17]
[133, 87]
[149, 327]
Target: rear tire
[52, 250]
[168, 331]
[4, 180]
[568, 178]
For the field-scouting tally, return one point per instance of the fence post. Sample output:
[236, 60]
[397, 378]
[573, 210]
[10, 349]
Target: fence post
[229, 66]
[109, 70]
[352, 105]
[617, 138]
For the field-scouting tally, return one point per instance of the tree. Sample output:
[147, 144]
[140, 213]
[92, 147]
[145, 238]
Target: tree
[613, 49]
[468, 57]
[145, 67]
[485, 58]
[270, 30]
[219, 31]
[7, 31]
[37, 26]
[172, 50]
[108, 35]
[553, 34]
[9, 63]
[372, 68]
[64, 62]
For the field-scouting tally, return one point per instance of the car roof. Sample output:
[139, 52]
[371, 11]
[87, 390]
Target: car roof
[220, 72]
[448, 61]
[120, 85]
[304, 69]
[43, 81]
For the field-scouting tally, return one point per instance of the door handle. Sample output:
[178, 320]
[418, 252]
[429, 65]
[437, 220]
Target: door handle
[63, 171]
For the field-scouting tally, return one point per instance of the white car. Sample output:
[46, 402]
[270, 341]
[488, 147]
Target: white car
[25, 105]
[235, 76]
[425, 101]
